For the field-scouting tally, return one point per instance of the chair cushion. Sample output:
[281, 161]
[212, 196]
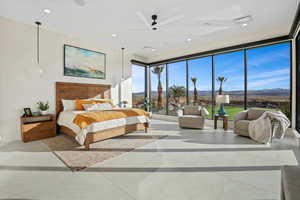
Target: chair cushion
[254, 114]
[192, 110]
[191, 121]
[242, 124]
[191, 116]
[241, 127]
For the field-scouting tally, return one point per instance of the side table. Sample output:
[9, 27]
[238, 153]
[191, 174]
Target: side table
[225, 121]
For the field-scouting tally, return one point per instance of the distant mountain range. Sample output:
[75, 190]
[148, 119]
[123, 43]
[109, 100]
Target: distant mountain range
[263, 92]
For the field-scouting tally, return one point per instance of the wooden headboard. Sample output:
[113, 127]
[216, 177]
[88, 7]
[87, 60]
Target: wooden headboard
[72, 91]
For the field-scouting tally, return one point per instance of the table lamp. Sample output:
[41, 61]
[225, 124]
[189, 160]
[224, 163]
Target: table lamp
[222, 99]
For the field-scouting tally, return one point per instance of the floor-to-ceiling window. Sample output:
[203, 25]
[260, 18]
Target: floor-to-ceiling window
[158, 89]
[261, 76]
[138, 86]
[230, 79]
[269, 77]
[176, 86]
[200, 82]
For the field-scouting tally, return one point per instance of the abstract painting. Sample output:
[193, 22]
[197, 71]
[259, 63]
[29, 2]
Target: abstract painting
[85, 63]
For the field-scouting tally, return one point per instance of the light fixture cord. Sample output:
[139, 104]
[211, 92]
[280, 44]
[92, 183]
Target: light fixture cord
[38, 44]
[38, 41]
[123, 63]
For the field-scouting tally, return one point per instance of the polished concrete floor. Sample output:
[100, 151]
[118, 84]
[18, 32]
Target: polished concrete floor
[187, 164]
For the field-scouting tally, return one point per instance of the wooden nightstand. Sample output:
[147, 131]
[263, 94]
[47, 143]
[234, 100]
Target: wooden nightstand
[38, 127]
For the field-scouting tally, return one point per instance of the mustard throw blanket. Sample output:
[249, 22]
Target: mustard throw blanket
[85, 119]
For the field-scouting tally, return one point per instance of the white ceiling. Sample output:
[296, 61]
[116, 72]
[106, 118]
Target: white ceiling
[98, 19]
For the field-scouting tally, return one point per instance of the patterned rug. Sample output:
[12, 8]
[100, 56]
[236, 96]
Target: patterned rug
[77, 158]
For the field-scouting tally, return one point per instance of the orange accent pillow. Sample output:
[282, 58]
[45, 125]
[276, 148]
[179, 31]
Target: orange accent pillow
[79, 103]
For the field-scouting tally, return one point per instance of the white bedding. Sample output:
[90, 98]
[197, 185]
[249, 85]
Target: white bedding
[66, 119]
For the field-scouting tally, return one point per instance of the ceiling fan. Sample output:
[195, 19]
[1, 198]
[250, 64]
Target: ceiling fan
[156, 24]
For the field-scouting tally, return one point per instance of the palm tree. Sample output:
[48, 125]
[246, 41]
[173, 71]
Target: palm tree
[194, 80]
[221, 80]
[175, 93]
[158, 70]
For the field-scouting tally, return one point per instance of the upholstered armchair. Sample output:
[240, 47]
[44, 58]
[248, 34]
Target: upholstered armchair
[192, 117]
[242, 120]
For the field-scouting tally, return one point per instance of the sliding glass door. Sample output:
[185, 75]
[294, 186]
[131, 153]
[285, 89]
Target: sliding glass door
[269, 77]
[200, 82]
[176, 86]
[138, 86]
[230, 80]
[158, 88]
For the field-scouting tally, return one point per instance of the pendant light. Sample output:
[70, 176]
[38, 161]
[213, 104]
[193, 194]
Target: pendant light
[38, 46]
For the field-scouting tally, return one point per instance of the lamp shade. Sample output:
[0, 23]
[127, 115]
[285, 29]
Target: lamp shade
[222, 99]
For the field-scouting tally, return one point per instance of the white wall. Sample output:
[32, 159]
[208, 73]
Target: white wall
[20, 82]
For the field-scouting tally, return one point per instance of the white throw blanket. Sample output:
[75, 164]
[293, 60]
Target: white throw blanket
[260, 130]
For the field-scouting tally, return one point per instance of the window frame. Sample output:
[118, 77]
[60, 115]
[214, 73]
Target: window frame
[229, 50]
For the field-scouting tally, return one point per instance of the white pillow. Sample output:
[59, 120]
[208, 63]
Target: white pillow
[97, 106]
[204, 111]
[69, 104]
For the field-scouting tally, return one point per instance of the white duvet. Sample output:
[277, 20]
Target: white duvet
[66, 119]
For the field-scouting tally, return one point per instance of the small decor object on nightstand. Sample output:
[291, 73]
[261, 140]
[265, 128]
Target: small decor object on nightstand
[43, 107]
[123, 104]
[27, 112]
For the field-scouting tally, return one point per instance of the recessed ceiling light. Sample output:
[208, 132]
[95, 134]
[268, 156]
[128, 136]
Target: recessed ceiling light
[113, 35]
[245, 24]
[47, 11]
[189, 40]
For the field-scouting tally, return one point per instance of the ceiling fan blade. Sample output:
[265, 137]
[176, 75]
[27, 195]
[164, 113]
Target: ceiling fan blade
[144, 20]
[220, 23]
[80, 2]
[171, 20]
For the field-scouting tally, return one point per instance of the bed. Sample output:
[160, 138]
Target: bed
[98, 131]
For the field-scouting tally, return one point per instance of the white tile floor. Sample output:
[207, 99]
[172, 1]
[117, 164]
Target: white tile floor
[187, 164]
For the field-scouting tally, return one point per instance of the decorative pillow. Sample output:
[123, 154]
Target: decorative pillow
[204, 112]
[98, 106]
[79, 103]
[254, 114]
[105, 101]
[68, 104]
[192, 110]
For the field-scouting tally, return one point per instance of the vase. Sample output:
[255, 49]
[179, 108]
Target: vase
[44, 112]
[222, 111]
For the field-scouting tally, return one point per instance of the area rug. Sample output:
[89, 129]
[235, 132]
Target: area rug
[77, 158]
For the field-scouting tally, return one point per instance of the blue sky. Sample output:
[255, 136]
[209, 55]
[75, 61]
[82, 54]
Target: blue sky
[268, 67]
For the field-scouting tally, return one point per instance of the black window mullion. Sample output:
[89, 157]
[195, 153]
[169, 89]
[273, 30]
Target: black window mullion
[187, 82]
[167, 90]
[213, 86]
[245, 79]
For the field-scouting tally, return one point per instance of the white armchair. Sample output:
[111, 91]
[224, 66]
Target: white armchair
[242, 120]
[192, 117]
